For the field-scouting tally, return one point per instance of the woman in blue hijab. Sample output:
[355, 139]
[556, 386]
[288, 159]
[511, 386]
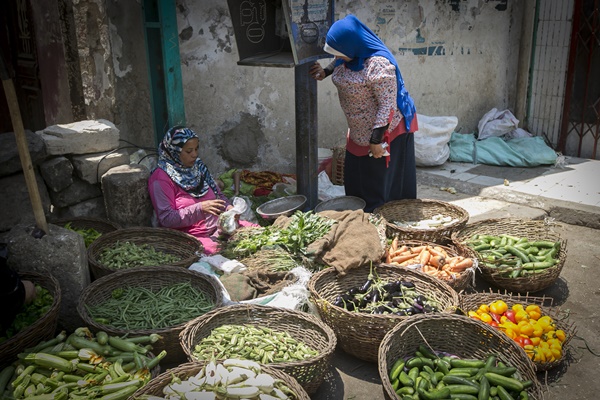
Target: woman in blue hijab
[379, 165]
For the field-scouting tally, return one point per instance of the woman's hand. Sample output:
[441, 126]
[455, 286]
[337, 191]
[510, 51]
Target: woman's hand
[377, 150]
[317, 72]
[215, 207]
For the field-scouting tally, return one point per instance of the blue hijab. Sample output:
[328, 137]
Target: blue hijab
[354, 39]
[196, 179]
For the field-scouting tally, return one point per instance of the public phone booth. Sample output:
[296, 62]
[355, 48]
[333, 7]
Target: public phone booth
[288, 34]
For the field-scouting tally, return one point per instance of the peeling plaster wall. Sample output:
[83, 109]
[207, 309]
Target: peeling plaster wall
[457, 57]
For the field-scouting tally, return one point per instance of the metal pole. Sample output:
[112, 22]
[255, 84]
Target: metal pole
[306, 135]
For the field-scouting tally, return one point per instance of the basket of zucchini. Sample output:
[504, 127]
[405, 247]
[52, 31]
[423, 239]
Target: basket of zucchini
[231, 378]
[365, 303]
[422, 219]
[518, 255]
[142, 246]
[441, 356]
[292, 341]
[149, 300]
[538, 327]
[36, 321]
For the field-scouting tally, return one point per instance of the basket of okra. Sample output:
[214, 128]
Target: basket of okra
[149, 300]
[291, 341]
[142, 246]
[518, 255]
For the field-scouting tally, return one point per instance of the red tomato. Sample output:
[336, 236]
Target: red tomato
[494, 324]
[510, 314]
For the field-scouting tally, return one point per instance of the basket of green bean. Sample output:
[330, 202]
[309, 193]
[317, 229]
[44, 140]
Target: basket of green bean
[149, 300]
[518, 255]
[292, 341]
[36, 321]
[141, 246]
[89, 227]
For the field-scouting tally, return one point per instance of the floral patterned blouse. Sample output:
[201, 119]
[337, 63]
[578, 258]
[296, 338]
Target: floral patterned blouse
[368, 97]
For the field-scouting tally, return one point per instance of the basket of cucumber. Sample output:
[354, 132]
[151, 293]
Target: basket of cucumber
[422, 219]
[444, 355]
[518, 255]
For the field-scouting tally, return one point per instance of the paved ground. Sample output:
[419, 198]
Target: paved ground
[565, 196]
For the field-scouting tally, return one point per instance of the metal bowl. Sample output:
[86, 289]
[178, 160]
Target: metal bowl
[281, 206]
[341, 203]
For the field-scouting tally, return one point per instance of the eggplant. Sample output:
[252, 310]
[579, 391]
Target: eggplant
[427, 308]
[353, 291]
[391, 287]
[420, 299]
[350, 306]
[365, 286]
[375, 298]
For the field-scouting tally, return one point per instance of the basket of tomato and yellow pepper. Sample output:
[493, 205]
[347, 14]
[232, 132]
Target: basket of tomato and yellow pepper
[538, 329]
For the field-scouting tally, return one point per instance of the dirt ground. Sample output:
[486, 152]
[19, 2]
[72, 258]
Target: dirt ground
[576, 293]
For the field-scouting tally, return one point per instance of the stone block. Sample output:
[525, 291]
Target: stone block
[83, 137]
[10, 160]
[91, 167]
[15, 200]
[57, 173]
[126, 196]
[92, 208]
[76, 193]
[61, 253]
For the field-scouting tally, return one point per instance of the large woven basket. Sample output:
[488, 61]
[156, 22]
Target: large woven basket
[412, 210]
[528, 228]
[166, 240]
[473, 301]
[42, 329]
[151, 278]
[360, 334]
[459, 281]
[156, 385]
[457, 335]
[302, 326]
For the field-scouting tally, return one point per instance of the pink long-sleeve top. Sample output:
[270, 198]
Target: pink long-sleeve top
[176, 209]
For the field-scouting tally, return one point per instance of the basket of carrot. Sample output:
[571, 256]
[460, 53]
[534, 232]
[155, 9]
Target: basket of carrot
[422, 219]
[518, 255]
[455, 266]
[447, 356]
[149, 300]
[537, 327]
[232, 378]
[141, 246]
[36, 321]
[291, 341]
[365, 303]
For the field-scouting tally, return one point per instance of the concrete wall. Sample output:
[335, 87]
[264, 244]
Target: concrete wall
[457, 58]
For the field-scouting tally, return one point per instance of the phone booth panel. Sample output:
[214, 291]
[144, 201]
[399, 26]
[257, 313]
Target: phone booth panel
[276, 33]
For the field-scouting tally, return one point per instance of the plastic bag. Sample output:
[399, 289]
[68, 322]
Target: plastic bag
[228, 221]
[431, 140]
[327, 190]
[496, 123]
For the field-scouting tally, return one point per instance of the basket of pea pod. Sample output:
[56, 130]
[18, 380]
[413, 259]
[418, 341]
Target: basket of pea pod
[291, 341]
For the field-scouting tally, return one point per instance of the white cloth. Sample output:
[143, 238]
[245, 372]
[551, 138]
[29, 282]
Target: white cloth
[331, 50]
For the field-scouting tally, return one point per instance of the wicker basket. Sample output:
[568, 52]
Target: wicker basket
[166, 240]
[152, 278]
[417, 210]
[459, 281]
[337, 165]
[100, 225]
[528, 228]
[302, 326]
[360, 334]
[473, 301]
[42, 329]
[454, 334]
[155, 386]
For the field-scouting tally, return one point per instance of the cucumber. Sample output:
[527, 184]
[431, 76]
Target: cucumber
[464, 389]
[506, 371]
[457, 380]
[506, 382]
[419, 362]
[462, 396]
[467, 363]
[484, 389]
[464, 370]
[405, 379]
[442, 365]
[503, 394]
[434, 394]
[427, 352]
[405, 390]
[413, 373]
[396, 368]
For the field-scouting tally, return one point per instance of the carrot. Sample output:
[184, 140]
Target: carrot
[388, 258]
[417, 249]
[394, 244]
[437, 251]
[424, 257]
[401, 259]
[437, 261]
[462, 265]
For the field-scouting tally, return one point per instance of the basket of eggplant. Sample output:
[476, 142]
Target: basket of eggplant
[365, 303]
